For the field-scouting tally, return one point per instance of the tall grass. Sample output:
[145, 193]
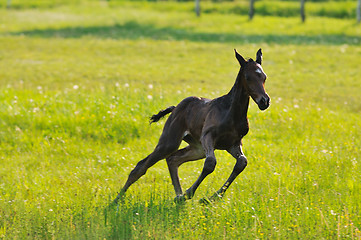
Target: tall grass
[79, 83]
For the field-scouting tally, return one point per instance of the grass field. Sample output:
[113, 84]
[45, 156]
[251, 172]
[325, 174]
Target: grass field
[78, 83]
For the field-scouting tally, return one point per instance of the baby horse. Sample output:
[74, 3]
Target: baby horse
[207, 125]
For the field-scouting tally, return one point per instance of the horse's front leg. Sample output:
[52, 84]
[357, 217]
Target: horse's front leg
[241, 163]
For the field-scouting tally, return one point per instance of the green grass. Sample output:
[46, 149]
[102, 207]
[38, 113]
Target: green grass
[78, 83]
[324, 8]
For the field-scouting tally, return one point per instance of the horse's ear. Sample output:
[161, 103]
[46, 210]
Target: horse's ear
[240, 59]
[259, 56]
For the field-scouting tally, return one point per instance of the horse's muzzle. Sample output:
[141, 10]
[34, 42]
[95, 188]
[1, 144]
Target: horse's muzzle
[264, 103]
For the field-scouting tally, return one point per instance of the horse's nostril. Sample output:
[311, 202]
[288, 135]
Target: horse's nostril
[264, 101]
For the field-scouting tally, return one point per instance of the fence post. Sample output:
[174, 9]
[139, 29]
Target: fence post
[8, 4]
[198, 7]
[251, 9]
[358, 11]
[302, 9]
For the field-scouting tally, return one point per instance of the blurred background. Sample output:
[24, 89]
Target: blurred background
[80, 78]
[284, 8]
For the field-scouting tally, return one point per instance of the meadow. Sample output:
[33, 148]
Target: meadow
[79, 82]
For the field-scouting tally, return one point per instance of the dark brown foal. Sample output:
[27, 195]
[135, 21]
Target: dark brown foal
[207, 125]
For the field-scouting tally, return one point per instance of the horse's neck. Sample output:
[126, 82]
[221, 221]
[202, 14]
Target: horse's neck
[239, 98]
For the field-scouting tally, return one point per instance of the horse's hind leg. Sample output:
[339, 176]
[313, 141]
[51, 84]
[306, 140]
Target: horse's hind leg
[209, 165]
[168, 143]
[190, 153]
[142, 166]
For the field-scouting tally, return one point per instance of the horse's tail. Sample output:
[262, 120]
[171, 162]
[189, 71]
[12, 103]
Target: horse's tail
[162, 113]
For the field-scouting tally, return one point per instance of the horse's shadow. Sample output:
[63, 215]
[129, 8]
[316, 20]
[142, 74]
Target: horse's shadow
[125, 217]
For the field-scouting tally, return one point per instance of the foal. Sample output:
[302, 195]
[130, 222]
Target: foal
[207, 125]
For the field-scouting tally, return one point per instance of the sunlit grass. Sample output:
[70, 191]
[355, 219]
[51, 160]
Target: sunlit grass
[78, 85]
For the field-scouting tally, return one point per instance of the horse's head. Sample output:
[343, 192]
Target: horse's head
[254, 79]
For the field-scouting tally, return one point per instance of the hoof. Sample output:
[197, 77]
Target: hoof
[180, 199]
[118, 199]
[215, 197]
[205, 201]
